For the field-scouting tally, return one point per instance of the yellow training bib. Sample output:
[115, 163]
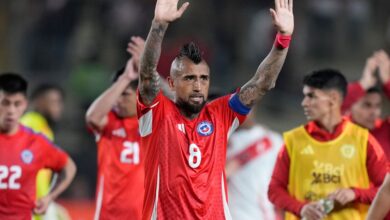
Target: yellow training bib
[319, 168]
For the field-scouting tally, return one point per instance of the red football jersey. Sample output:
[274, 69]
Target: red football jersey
[185, 159]
[120, 187]
[22, 155]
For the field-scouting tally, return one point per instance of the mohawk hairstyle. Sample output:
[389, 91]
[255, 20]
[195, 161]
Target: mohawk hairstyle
[192, 52]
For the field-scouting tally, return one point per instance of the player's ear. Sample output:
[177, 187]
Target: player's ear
[171, 82]
[335, 98]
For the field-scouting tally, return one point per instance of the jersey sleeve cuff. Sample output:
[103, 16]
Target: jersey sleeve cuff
[61, 163]
[142, 105]
[236, 105]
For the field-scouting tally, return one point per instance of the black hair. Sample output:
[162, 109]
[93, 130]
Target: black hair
[192, 52]
[133, 84]
[12, 83]
[42, 89]
[373, 90]
[327, 79]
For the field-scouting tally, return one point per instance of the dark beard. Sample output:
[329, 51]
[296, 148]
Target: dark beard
[188, 108]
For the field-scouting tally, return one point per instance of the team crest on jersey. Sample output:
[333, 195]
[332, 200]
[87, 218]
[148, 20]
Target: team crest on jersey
[348, 151]
[205, 128]
[27, 156]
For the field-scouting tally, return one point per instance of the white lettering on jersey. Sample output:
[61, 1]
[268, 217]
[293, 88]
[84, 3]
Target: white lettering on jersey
[120, 132]
[181, 128]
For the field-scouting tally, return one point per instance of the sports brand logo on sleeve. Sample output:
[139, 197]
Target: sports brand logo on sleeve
[205, 128]
[27, 156]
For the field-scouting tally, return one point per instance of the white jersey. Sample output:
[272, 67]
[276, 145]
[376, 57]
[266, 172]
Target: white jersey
[257, 150]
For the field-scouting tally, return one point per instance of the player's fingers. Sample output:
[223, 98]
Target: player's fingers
[273, 15]
[139, 40]
[316, 214]
[135, 40]
[281, 3]
[290, 5]
[132, 51]
[331, 196]
[335, 195]
[139, 47]
[277, 5]
[131, 44]
[132, 47]
[38, 209]
[285, 3]
[381, 54]
[339, 198]
[345, 198]
[182, 9]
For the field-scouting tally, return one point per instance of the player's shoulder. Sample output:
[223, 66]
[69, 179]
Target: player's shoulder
[33, 119]
[294, 131]
[353, 128]
[27, 131]
[33, 116]
[29, 134]
[221, 102]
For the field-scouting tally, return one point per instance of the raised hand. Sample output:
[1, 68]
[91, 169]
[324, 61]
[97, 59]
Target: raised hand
[383, 61]
[130, 71]
[368, 78]
[136, 47]
[283, 17]
[167, 11]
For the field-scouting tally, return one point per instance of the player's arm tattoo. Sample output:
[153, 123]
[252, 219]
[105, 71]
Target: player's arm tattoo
[264, 78]
[149, 78]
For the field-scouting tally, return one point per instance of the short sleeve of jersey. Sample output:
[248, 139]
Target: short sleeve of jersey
[111, 118]
[230, 109]
[142, 108]
[53, 157]
[147, 113]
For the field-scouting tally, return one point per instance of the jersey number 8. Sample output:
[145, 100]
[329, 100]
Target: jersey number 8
[195, 156]
[14, 173]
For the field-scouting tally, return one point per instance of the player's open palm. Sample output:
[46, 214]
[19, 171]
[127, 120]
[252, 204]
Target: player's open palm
[383, 61]
[168, 11]
[368, 78]
[136, 47]
[283, 17]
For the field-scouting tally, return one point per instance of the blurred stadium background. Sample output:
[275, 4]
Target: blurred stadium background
[80, 43]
